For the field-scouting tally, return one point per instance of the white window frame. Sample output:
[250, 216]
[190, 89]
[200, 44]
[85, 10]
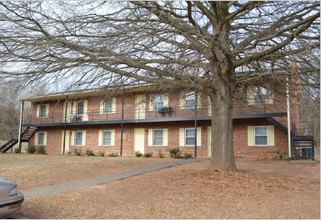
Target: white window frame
[110, 138]
[159, 138]
[185, 136]
[41, 138]
[189, 97]
[158, 102]
[108, 106]
[82, 138]
[83, 107]
[260, 95]
[255, 135]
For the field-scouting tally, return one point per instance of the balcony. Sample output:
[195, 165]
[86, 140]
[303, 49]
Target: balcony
[146, 115]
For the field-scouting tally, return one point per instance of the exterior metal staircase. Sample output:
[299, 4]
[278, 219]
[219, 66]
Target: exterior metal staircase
[26, 135]
[302, 139]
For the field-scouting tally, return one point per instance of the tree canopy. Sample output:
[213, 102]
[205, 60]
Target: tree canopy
[208, 46]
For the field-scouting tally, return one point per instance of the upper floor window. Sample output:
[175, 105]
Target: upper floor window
[259, 95]
[158, 102]
[108, 106]
[43, 111]
[190, 99]
[80, 107]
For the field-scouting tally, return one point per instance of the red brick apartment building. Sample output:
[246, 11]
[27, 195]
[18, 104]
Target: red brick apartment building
[129, 119]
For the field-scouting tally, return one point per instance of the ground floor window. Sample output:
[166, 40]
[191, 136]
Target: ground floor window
[261, 135]
[158, 137]
[41, 138]
[190, 136]
[79, 138]
[106, 137]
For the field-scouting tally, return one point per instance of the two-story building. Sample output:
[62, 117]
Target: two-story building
[139, 118]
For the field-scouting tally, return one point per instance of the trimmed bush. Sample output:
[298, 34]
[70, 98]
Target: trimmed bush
[90, 153]
[160, 154]
[148, 155]
[31, 149]
[188, 156]
[101, 153]
[175, 152]
[113, 154]
[77, 152]
[138, 154]
[41, 149]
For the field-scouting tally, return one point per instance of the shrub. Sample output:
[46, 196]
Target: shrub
[175, 152]
[138, 154]
[113, 154]
[41, 149]
[148, 155]
[160, 154]
[101, 153]
[16, 150]
[31, 149]
[77, 152]
[90, 153]
[188, 156]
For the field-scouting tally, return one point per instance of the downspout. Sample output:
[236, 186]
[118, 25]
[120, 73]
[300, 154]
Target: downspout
[122, 125]
[288, 117]
[20, 124]
[195, 126]
[65, 121]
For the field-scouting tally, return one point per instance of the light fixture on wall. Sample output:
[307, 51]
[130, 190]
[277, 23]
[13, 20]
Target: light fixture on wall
[146, 131]
[203, 129]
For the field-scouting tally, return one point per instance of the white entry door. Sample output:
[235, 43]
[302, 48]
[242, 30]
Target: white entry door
[209, 141]
[139, 140]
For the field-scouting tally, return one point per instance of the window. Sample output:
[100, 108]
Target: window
[261, 135]
[158, 137]
[106, 138]
[41, 138]
[80, 107]
[260, 95]
[78, 138]
[190, 99]
[189, 136]
[108, 106]
[43, 111]
[158, 102]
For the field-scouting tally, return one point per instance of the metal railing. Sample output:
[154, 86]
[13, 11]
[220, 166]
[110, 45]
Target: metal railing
[144, 113]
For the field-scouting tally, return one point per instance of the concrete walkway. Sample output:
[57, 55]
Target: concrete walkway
[68, 186]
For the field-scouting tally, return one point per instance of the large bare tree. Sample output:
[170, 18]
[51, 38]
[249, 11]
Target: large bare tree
[199, 45]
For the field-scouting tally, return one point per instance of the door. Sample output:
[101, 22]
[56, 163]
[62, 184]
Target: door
[139, 107]
[139, 140]
[209, 141]
[65, 140]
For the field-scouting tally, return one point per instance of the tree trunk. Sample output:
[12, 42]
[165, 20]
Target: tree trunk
[222, 156]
